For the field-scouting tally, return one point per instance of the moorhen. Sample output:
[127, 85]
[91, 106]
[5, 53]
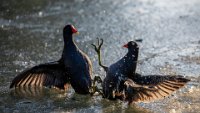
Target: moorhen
[121, 81]
[74, 67]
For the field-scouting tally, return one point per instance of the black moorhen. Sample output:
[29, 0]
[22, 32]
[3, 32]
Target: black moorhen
[74, 67]
[121, 81]
[117, 73]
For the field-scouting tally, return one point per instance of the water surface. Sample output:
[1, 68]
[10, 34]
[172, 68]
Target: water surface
[31, 33]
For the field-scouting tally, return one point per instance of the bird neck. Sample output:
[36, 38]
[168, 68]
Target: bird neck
[68, 39]
[69, 42]
[69, 46]
[131, 62]
[132, 55]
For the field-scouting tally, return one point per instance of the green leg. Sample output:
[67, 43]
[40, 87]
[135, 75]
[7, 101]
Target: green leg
[97, 49]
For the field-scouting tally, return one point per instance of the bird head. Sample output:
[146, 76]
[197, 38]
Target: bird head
[132, 45]
[69, 30]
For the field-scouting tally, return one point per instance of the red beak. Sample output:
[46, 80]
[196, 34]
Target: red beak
[126, 45]
[74, 29]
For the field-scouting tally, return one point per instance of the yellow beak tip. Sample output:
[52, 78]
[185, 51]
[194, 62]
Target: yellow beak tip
[77, 33]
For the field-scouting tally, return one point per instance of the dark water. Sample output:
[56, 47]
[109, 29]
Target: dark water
[31, 33]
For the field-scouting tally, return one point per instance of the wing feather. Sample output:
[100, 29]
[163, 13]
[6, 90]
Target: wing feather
[148, 88]
[51, 74]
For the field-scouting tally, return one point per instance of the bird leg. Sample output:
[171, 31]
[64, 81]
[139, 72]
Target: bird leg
[98, 79]
[97, 48]
[94, 87]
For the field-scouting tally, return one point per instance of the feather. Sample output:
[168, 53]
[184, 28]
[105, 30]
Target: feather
[152, 87]
[51, 74]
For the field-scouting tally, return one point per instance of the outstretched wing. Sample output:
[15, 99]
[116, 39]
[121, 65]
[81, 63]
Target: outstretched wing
[49, 75]
[152, 87]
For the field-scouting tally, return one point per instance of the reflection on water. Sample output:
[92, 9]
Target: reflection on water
[31, 33]
[29, 92]
[45, 100]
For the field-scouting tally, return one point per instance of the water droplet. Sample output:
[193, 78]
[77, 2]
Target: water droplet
[17, 17]
[81, 11]
[57, 30]
[40, 13]
[45, 45]
[9, 21]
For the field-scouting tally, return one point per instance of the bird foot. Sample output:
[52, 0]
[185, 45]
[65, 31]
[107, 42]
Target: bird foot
[98, 46]
[95, 89]
[97, 79]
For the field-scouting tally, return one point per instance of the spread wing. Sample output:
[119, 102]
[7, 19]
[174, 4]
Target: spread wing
[152, 87]
[49, 75]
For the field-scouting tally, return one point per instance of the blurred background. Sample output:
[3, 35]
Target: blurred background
[31, 33]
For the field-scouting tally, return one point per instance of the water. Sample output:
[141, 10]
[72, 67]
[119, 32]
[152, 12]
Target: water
[31, 33]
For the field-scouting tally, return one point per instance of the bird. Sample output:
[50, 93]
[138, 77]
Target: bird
[74, 68]
[122, 81]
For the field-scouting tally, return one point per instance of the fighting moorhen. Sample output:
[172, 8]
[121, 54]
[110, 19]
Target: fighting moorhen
[121, 81]
[74, 67]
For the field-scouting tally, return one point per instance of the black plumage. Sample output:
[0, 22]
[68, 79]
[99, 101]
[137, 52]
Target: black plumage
[117, 73]
[77, 64]
[73, 68]
[121, 81]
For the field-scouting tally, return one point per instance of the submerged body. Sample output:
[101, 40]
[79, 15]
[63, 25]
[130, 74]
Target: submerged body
[73, 68]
